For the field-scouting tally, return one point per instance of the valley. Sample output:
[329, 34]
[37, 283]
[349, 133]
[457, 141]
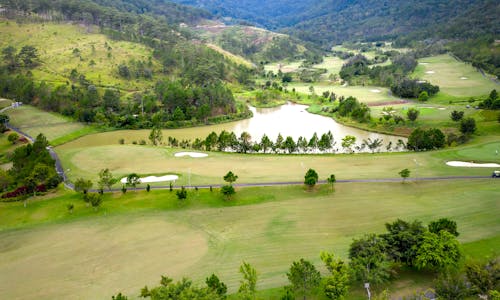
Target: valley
[277, 133]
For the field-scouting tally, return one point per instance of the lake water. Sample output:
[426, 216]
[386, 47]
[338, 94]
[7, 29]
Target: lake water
[289, 120]
[293, 120]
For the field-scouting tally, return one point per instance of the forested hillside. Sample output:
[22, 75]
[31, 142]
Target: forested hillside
[110, 65]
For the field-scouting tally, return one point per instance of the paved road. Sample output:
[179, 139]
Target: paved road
[68, 184]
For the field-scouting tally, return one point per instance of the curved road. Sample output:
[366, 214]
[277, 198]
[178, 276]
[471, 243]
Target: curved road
[68, 184]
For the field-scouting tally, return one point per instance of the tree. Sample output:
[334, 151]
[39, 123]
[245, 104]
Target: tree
[331, 180]
[245, 142]
[216, 285]
[451, 286]
[412, 114]
[265, 143]
[182, 290]
[484, 277]
[303, 277]
[405, 173]
[70, 207]
[373, 145]
[230, 177]
[311, 178]
[156, 136]
[336, 285]
[133, 180]
[228, 191]
[403, 239]
[181, 194]
[443, 224]
[13, 137]
[119, 296]
[106, 179]
[82, 185]
[94, 199]
[290, 144]
[437, 251]
[28, 55]
[369, 261]
[248, 285]
[347, 142]
[423, 96]
[468, 126]
[456, 115]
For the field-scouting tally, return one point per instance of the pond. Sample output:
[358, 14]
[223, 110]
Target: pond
[289, 120]
[294, 120]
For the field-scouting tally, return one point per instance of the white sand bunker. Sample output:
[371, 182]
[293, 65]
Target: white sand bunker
[375, 91]
[464, 78]
[191, 154]
[421, 81]
[442, 108]
[430, 72]
[471, 164]
[150, 179]
[423, 63]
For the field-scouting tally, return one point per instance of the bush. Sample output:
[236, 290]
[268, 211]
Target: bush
[430, 139]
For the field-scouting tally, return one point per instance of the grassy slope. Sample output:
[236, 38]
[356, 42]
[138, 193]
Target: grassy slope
[448, 74]
[282, 224]
[56, 43]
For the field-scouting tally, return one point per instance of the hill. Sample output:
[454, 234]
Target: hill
[115, 65]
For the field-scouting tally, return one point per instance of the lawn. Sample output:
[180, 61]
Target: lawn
[81, 255]
[366, 94]
[87, 155]
[34, 121]
[453, 77]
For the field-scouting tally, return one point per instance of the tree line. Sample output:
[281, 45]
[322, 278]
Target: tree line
[229, 142]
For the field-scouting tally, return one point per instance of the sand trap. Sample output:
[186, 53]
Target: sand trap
[150, 179]
[471, 164]
[375, 91]
[423, 63]
[442, 108]
[430, 72]
[464, 78]
[421, 81]
[191, 154]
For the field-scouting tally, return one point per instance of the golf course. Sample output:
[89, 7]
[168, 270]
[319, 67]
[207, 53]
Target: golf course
[141, 159]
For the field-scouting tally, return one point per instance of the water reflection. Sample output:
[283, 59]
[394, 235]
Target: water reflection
[293, 120]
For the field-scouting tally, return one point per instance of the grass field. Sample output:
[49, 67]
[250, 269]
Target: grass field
[331, 64]
[367, 94]
[56, 43]
[83, 252]
[87, 155]
[285, 66]
[453, 77]
[34, 121]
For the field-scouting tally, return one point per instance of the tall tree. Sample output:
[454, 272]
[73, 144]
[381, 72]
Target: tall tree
[303, 277]
[156, 136]
[331, 180]
[106, 179]
[405, 173]
[230, 177]
[437, 251]
[336, 285]
[248, 285]
[133, 180]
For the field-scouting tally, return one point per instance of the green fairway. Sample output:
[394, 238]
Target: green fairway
[453, 77]
[34, 121]
[285, 67]
[87, 155]
[155, 234]
[366, 94]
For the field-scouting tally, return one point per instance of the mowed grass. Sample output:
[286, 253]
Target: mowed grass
[56, 43]
[453, 77]
[332, 65]
[82, 255]
[285, 66]
[366, 94]
[34, 121]
[87, 155]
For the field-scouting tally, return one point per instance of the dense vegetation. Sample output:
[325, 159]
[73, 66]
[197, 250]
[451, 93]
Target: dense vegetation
[190, 85]
[32, 171]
